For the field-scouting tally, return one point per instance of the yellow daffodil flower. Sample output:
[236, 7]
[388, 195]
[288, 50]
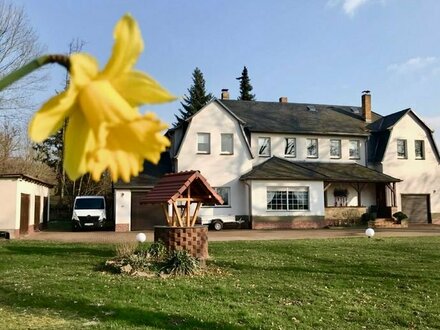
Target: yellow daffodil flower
[105, 129]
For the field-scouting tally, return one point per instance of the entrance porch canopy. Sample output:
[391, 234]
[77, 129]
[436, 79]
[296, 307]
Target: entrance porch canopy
[180, 190]
[351, 173]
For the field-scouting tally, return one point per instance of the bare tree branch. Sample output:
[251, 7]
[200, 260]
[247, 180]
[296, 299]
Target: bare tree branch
[18, 46]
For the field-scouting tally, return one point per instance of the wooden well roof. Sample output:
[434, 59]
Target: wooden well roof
[174, 186]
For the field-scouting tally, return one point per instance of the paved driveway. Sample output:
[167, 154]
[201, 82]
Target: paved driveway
[237, 235]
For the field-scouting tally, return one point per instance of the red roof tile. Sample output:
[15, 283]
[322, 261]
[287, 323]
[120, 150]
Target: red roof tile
[173, 186]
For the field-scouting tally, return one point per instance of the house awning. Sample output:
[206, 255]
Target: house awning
[279, 169]
[174, 186]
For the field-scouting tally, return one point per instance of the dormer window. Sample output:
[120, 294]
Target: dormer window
[354, 150]
[335, 148]
[312, 148]
[419, 146]
[290, 147]
[264, 146]
[401, 149]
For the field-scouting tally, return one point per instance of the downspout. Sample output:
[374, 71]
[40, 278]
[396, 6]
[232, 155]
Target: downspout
[250, 203]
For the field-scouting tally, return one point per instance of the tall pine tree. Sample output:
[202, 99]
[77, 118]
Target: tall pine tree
[245, 87]
[195, 99]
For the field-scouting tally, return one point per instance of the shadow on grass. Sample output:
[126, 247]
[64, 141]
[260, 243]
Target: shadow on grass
[89, 310]
[59, 250]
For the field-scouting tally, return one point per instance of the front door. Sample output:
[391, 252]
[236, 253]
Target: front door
[381, 201]
[37, 213]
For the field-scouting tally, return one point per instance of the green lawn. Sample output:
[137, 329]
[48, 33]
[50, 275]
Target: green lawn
[356, 283]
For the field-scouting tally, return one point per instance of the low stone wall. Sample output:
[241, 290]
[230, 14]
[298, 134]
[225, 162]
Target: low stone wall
[287, 222]
[387, 223]
[194, 240]
[343, 216]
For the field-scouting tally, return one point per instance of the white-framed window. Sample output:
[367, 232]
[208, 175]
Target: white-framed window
[290, 147]
[335, 148]
[264, 146]
[312, 148]
[203, 143]
[419, 146]
[227, 144]
[354, 151]
[287, 198]
[225, 193]
[401, 149]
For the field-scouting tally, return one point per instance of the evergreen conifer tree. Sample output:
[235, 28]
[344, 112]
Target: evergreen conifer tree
[245, 87]
[195, 99]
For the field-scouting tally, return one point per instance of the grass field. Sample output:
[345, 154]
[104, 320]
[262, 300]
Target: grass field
[356, 283]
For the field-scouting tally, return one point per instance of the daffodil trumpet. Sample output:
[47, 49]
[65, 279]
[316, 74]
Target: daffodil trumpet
[105, 130]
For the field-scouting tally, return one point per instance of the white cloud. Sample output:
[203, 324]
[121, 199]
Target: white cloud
[415, 65]
[349, 6]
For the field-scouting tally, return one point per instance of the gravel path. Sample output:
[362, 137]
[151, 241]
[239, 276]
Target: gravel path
[236, 235]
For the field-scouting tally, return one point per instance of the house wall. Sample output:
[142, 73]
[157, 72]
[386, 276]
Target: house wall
[278, 145]
[220, 170]
[122, 209]
[263, 218]
[10, 195]
[420, 176]
[32, 189]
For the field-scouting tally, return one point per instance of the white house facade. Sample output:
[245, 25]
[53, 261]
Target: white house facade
[298, 165]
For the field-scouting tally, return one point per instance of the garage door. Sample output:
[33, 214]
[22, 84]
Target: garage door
[416, 207]
[145, 216]
[24, 214]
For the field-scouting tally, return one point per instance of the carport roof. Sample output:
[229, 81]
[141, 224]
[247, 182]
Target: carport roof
[279, 169]
[172, 186]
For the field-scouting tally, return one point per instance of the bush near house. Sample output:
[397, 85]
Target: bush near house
[400, 216]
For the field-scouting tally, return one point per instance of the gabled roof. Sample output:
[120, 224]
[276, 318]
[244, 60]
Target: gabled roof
[380, 134]
[279, 169]
[387, 122]
[16, 176]
[299, 118]
[172, 186]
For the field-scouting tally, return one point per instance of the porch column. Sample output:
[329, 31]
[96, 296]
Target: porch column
[326, 186]
[359, 187]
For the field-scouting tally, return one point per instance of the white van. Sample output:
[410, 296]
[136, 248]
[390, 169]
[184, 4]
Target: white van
[88, 212]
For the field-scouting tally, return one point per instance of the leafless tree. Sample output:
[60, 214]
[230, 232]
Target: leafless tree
[17, 156]
[18, 46]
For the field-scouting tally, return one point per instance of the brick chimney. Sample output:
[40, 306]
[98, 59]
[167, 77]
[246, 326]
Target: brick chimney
[283, 99]
[225, 94]
[366, 106]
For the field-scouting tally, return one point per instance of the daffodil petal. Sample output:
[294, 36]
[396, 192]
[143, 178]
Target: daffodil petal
[78, 142]
[50, 117]
[142, 137]
[138, 88]
[127, 48]
[102, 104]
[83, 68]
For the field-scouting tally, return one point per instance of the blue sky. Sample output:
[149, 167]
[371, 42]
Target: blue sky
[320, 51]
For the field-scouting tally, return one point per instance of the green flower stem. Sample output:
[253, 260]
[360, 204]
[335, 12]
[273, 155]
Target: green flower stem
[32, 66]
